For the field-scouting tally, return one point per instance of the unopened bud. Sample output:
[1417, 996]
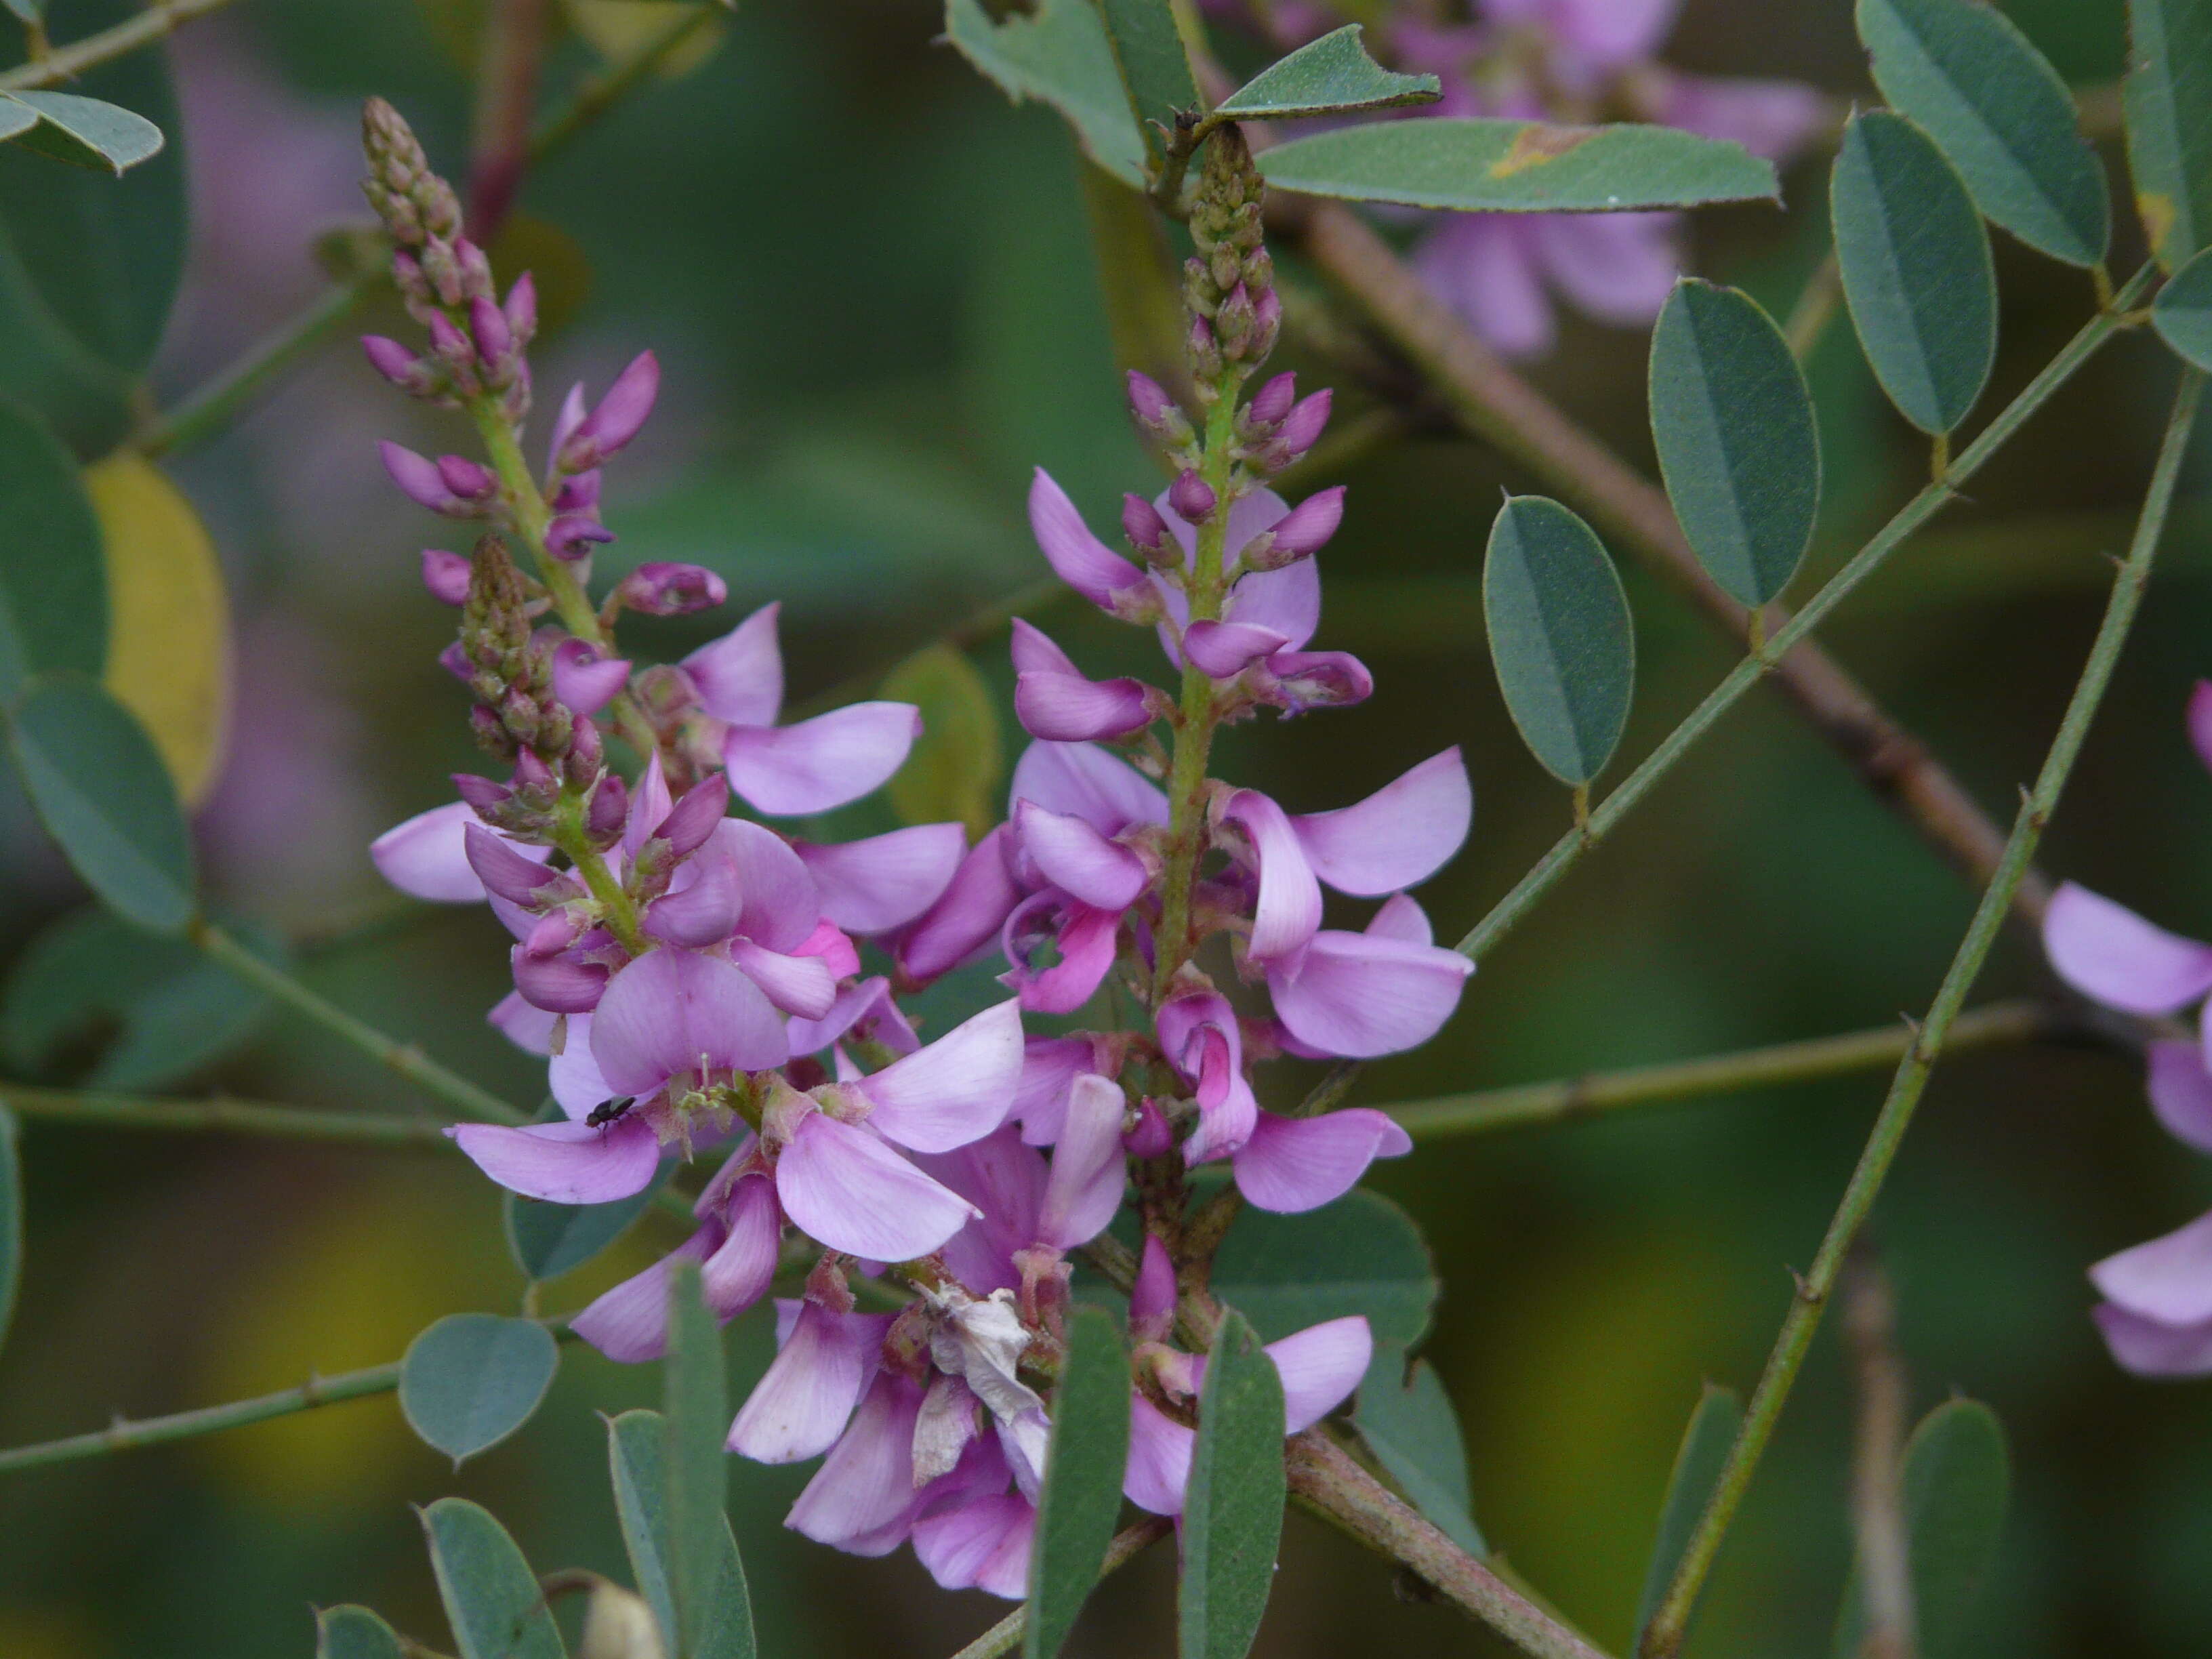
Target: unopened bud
[1303, 426]
[1272, 401]
[1205, 351]
[483, 794]
[661, 588]
[446, 575]
[609, 808]
[1142, 524]
[489, 731]
[1191, 498]
[533, 776]
[468, 479]
[495, 340]
[522, 309]
[1307, 528]
[618, 417]
[586, 754]
[573, 536]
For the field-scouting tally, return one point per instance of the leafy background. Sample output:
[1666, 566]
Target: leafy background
[871, 282]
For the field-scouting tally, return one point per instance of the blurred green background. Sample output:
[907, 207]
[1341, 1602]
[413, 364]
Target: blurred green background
[871, 284]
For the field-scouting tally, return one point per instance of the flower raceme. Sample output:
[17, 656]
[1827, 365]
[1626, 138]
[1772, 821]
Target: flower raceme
[695, 979]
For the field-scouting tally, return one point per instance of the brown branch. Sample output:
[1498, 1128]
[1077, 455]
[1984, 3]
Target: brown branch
[1885, 1575]
[1492, 402]
[506, 98]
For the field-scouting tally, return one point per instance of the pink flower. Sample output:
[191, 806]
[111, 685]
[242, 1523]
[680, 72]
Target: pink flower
[792, 770]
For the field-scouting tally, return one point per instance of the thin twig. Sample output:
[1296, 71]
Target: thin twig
[1885, 1576]
[100, 1109]
[1006, 1635]
[68, 62]
[1664, 1636]
[1571, 1099]
[603, 91]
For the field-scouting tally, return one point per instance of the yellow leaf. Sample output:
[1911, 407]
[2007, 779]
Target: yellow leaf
[169, 639]
[954, 770]
[618, 29]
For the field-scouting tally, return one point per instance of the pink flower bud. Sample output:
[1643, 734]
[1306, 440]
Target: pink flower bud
[573, 535]
[584, 679]
[1150, 1136]
[1308, 526]
[532, 774]
[467, 479]
[1272, 401]
[1303, 426]
[391, 359]
[1149, 401]
[573, 410]
[494, 339]
[586, 753]
[693, 818]
[422, 481]
[1267, 317]
[521, 308]
[448, 342]
[483, 794]
[610, 807]
[665, 589]
[617, 419]
[579, 494]
[446, 575]
[1142, 524]
[554, 932]
[455, 661]
[503, 869]
[1191, 497]
[474, 268]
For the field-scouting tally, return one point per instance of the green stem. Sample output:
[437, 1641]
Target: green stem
[1198, 715]
[96, 1108]
[1569, 1099]
[1006, 1635]
[1746, 674]
[123, 1435]
[68, 62]
[409, 1062]
[214, 405]
[1664, 1636]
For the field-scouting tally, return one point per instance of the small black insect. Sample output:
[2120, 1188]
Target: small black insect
[608, 1110]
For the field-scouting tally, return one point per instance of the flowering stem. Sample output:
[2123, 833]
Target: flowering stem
[214, 405]
[97, 1109]
[1571, 1099]
[1784, 640]
[1193, 732]
[409, 1062]
[123, 1435]
[1006, 1635]
[1664, 1636]
[1328, 1479]
[67, 63]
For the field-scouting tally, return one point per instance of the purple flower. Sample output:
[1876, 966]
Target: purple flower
[583, 441]
[659, 588]
[1055, 702]
[426, 857]
[1361, 995]
[1079, 558]
[792, 770]
[881, 883]
[452, 485]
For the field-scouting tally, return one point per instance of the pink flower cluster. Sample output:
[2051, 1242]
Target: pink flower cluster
[2156, 1315]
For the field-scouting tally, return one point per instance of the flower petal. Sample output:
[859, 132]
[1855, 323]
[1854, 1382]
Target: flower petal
[1400, 835]
[1483, 265]
[867, 1008]
[1226, 649]
[956, 1089]
[883, 881]
[426, 857]
[1079, 778]
[1077, 557]
[1357, 995]
[670, 1009]
[703, 904]
[528, 1028]
[1078, 859]
[1401, 918]
[848, 1191]
[1153, 1300]
[804, 1401]
[565, 1162]
[823, 763]
[1285, 602]
[1771, 118]
[1158, 1469]
[782, 905]
[2150, 1348]
[1084, 1187]
[2181, 1092]
[797, 984]
[573, 1076]
[862, 1498]
[1616, 267]
[1293, 1163]
[983, 1544]
[1049, 1065]
[1289, 909]
[629, 1323]
[1086, 939]
[2168, 1279]
[744, 1265]
[1321, 1365]
[739, 677]
[2200, 721]
[1069, 708]
[2106, 952]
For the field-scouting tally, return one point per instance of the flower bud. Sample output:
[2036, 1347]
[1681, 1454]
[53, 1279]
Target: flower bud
[446, 575]
[1303, 426]
[522, 309]
[483, 794]
[610, 808]
[661, 588]
[1267, 325]
[586, 753]
[474, 268]
[495, 340]
[573, 535]
[1150, 1136]
[693, 818]
[1307, 528]
[1191, 498]
[532, 775]
[579, 494]
[424, 482]
[1234, 323]
[1205, 351]
[584, 679]
[1148, 401]
[455, 659]
[1272, 401]
[520, 715]
[392, 360]
[467, 479]
[618, 417]
[490, 733]
[1141, 523]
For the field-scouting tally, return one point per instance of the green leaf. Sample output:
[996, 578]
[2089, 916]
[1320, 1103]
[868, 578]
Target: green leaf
[637, 1449]
[492, 1599]
[1737, 443]
[1560, 636]
[97, 1003]
[89, 265]
[1232, 1516]
[1407, 1422]
[11, 1219]
[1057, 53]
[1518, 166]
[547, 1240]
[1362, 1255]
[85, 132]
[1333, 76]
[351, 1632]
[1967, 75]
[53, 583]
[1155, 69]
[15, 118]
[1083, 1468]
[2182, 313]
[698, 1410]
[1705, 1449]
[1916, 266]
[956, 765]
[1958, 1480]
[104, 795]
[472, 1379]
[2167, 99]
